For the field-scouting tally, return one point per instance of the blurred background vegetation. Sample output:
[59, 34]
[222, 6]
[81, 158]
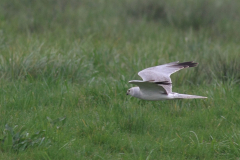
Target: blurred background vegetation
[220, 17]
[207, 30]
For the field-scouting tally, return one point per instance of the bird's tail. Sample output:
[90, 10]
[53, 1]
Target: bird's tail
[187, 96]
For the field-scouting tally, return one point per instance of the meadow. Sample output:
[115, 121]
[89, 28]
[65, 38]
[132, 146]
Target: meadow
[65, 67]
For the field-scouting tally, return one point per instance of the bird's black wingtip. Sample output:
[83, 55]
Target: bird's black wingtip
[163, 83]
[187, 64]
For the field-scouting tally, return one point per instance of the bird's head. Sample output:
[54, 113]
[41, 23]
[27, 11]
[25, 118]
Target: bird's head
[132, 90]
[128, 91]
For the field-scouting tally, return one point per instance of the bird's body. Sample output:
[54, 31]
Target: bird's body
[157, 84]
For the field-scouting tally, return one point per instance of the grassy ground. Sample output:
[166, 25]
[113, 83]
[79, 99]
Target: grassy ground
[65, 67]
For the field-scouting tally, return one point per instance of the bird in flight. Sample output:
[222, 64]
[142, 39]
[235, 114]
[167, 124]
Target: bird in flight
[157, 84]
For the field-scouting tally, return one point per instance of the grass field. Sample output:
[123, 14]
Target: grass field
[65, 67]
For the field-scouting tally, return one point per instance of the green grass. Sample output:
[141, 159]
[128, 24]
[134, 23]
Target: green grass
[65, 67]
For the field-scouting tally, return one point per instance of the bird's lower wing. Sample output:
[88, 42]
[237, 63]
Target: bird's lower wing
[150, 86]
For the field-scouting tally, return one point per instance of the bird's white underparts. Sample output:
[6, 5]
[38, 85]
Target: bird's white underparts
[157, 84]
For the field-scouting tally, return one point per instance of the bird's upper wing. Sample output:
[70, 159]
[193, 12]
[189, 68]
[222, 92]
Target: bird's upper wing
[149, 86]
[162, 73]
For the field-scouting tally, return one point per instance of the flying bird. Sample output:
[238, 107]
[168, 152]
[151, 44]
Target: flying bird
[157, 84]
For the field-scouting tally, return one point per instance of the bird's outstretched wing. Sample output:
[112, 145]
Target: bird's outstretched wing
[162, 73]
[150, 86]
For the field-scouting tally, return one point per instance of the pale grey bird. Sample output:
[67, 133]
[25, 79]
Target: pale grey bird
[157, 84]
